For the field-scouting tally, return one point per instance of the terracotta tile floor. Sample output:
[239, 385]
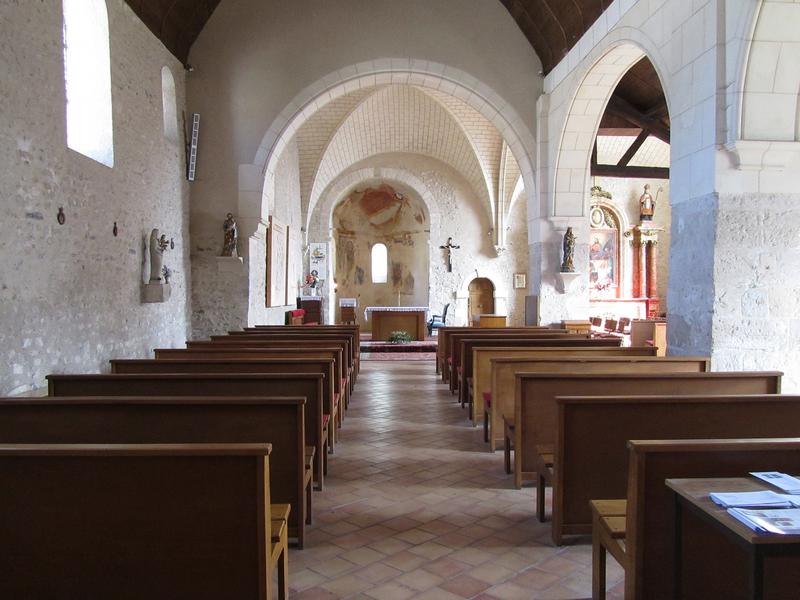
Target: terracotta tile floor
[415, 507]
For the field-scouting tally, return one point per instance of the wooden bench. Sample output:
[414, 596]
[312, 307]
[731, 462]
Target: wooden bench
[323, 366]
[443, 347]
[456, 340]
[536, 408]
[537, 425]
[124, 522]
[503, 391]
[307, 385]
[351, 347]
[216, 352]
[644, 547]
[258, 342]
[467, 345]
[483, 359]
[353, 331]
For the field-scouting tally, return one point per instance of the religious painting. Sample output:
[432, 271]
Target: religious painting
[277, 256]
[520, 281]
[603, 261]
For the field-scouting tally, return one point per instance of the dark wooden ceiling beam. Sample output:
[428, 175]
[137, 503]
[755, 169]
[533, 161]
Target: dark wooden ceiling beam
[526, 22]
[623, 109]
[634, 148]
[631, 172]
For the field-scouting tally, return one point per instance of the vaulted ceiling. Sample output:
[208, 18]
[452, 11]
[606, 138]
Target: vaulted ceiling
[551, 26]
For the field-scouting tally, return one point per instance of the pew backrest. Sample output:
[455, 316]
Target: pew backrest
[124, 521]
[650, 508]
[631, 405]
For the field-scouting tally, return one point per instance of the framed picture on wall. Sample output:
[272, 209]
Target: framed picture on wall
[520, 281]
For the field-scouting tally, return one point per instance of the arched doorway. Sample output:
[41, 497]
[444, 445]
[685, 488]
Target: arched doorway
[481, 298]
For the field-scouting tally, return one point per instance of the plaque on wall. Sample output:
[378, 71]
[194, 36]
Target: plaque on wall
[276, 263]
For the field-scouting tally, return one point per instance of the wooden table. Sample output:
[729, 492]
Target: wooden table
[716, 556]
[385, 320]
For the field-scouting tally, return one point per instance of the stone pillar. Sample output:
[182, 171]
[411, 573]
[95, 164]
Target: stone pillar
[636, 267]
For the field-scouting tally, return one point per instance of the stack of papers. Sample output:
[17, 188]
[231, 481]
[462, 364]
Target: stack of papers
[765, 499]
[782, 521]
[782, 481]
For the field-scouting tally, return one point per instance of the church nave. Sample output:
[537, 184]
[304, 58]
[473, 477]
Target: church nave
[415, 507]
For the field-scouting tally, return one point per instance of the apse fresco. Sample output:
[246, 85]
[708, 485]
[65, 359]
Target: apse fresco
[387, 215]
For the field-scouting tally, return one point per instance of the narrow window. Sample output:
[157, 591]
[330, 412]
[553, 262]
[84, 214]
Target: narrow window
[87, 79]
[170, 105]
[380, 263]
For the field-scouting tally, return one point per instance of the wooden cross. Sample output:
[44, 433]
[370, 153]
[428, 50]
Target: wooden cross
[449, 247]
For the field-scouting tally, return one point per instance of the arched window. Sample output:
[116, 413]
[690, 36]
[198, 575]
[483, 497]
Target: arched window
[380, 263]
[604, 257]
[169, 104]
[87, 79]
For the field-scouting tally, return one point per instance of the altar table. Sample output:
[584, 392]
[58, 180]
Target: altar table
[386, 319]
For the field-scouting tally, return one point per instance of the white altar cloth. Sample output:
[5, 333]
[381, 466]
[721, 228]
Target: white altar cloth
[370, 309]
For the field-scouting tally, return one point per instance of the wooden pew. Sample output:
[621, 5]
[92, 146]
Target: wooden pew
[352, 330]
[467, 345]
[324, 366]
[124, 521]
[442, 343]
[300, 339]
[536, 407]
[256, 341]
[504, 371]
[536, 417]
[455, 340]
[482, 369]
[215, 352]
[307, 385]
[645, 548]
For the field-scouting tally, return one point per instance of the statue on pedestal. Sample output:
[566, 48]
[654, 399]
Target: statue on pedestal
[647, 206]
[568, 265]
[158, 245]
[230, 244]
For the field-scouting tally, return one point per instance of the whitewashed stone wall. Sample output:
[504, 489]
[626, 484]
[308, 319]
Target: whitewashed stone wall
[227, 296]
[70, 294]
[455, 212]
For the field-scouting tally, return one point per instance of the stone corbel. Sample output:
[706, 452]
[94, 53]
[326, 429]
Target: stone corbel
[752, 155]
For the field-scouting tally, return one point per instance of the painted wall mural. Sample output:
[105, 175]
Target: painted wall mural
[390, 216]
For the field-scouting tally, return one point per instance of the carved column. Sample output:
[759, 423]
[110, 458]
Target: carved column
[636, 242]
[652, 270]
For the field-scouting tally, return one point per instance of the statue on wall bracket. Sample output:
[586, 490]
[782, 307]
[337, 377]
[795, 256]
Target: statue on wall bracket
[230, 245]
[647, 205]
[568, 264]
[157, 290]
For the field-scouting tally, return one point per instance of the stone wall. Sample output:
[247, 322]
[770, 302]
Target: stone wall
[71, 294]
[756, 324]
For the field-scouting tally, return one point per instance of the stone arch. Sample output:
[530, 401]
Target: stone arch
[256, 181]
[445, 140]
[344, 184]
[588, 100]
[501, 293]
[766, 126]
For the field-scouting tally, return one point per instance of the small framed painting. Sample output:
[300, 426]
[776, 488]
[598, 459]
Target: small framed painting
[520, 281]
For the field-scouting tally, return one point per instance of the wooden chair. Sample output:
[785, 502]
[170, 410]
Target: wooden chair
[611, 325]
[437, 321]
[348, 315]
[624, 325]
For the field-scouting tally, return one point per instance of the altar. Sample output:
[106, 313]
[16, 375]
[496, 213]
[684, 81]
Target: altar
[386, 319]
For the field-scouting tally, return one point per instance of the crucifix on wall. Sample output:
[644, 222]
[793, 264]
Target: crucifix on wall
[449, 247]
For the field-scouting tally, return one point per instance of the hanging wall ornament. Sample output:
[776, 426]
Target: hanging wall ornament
[115, 231]
[61, 217]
